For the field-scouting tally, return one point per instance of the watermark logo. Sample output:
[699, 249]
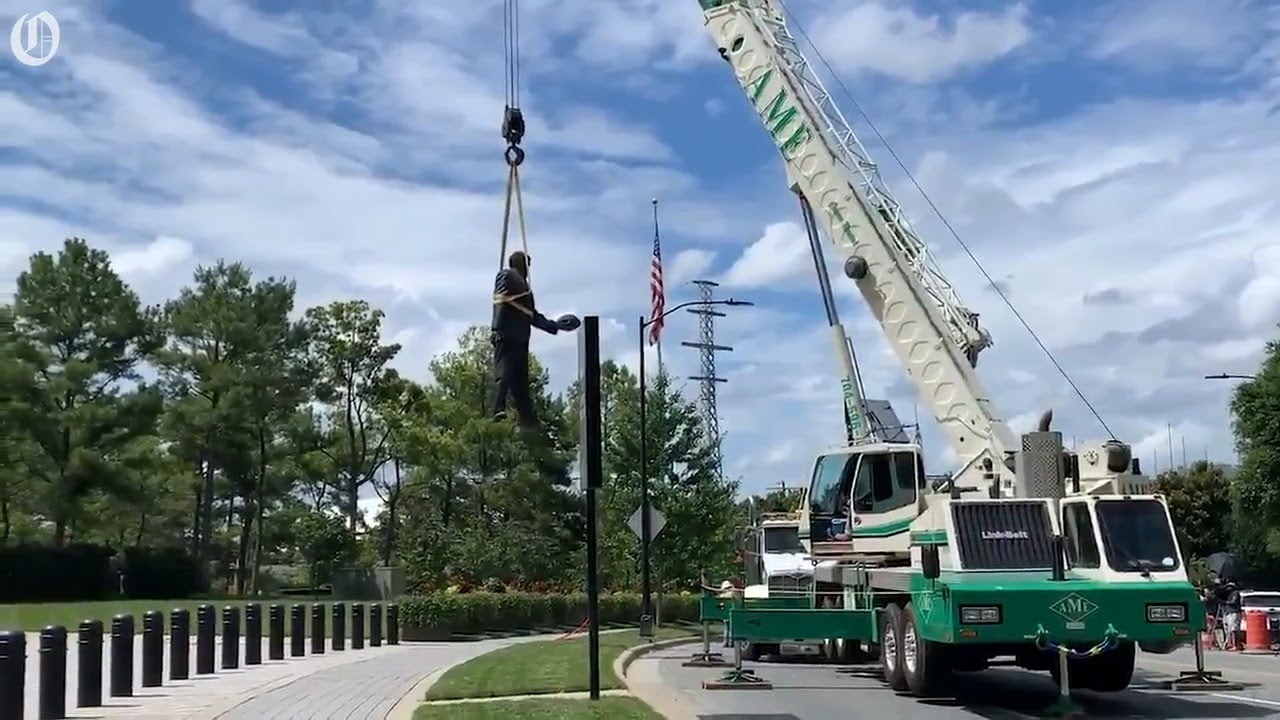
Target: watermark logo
[35, 38]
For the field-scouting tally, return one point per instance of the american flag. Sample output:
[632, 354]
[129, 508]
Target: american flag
[657, 294]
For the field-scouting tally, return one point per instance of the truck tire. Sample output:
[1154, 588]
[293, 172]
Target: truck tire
[1108, 672]
[891, 647]
[924, 663]
[1111, 671]
[751, 652]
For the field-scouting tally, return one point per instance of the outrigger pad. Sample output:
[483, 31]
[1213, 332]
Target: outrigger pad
[1201, 681]
[707, 660]
[738, 680]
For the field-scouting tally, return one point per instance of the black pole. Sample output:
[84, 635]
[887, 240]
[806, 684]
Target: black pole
[590, 462]
[375, 625]
[393, 624]
[646, 596]
[206, 623]
[152, 649]
[230, 638]
[339, 612]
[89, 662]
[297, 630]
[121, 680]
[253, 634]
[357, 626]
[179, 644]
[317, 629]
[53, 673]
[275, 632]
[13, 671]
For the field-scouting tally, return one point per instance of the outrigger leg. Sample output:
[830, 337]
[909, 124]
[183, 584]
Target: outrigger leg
[1064, 707]
[1201, 680]
[706, 658]
[737, 678]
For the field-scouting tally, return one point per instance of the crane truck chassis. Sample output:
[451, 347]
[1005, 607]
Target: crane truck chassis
[1059, 561]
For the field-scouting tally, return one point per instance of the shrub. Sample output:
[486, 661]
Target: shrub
[445, 614]
[161, 574]
[40, 573]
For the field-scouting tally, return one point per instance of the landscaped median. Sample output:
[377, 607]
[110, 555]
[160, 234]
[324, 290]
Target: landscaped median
[544, 668]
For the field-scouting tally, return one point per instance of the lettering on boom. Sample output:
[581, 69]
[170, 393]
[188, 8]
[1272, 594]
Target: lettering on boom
[792, 134]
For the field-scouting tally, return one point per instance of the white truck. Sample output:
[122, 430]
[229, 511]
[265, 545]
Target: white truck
[778, 567]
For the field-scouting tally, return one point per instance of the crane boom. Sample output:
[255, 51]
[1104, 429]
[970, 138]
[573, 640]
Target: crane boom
[935, 336]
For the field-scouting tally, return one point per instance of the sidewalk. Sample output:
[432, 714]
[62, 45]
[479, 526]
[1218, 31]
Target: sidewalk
[203, 697]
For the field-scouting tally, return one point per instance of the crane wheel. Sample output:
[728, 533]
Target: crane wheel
[924, 662]
[891, 647]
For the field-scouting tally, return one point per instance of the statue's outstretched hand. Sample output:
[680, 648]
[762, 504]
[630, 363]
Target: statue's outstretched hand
[568, 322]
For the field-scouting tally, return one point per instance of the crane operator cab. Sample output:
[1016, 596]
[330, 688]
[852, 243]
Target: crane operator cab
[862, 494]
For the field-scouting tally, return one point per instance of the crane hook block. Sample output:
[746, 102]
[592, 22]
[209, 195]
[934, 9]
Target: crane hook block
[512, 125]
[855, 267]
[514, 155]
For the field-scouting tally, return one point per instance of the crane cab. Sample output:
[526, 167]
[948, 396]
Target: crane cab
[862, 499]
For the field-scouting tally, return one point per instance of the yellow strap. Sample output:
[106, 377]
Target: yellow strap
[500, 298]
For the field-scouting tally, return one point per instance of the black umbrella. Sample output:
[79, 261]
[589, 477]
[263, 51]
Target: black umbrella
[1225, 566]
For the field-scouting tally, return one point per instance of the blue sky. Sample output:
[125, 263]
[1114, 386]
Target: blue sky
[1110, 163]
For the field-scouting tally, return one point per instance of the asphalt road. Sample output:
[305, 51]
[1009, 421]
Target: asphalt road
[807, 691]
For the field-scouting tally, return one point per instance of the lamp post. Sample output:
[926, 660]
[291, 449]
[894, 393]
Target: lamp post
[1229, 376]
[645, 584]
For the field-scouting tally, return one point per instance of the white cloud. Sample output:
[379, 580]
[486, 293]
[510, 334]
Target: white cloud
[778, 256]
[1213, 33]
[896, 40]
[689, 265]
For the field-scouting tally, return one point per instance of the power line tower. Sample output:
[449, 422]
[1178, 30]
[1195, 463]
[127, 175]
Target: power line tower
[707, 349]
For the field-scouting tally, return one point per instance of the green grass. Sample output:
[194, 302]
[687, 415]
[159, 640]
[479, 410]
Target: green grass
[606, 708]
[548, 666]
[36, 616]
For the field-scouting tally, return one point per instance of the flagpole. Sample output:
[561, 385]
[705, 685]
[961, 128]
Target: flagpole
[664, 290]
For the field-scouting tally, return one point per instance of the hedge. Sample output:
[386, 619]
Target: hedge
[443, 615]
[41, 573]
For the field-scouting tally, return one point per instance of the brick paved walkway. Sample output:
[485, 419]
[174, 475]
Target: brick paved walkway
[346, 685]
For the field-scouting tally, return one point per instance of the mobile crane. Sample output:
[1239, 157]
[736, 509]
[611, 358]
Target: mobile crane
[1030, 552]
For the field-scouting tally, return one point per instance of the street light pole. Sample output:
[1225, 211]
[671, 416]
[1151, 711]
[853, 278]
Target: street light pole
[646, 585]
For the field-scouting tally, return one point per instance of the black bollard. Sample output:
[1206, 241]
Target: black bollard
[206, 624]
[317, 629]
[53, 673]
[152, 649]
[13, 671]
[357, 626]
[253, 634]
[339, 625]
[393, 624]
[230, 638]
[375, 625]
[275, 632]
[298, 630]
[89, 662]
[179, 644]
[121, 680]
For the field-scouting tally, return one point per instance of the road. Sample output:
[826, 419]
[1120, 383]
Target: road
[803, 691]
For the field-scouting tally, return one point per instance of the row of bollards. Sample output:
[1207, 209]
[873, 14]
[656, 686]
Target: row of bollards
[52, 696]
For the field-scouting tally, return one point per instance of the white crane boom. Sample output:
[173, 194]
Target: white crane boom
[934, 335]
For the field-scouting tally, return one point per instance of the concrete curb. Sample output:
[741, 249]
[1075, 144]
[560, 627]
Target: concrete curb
[668, 707]
[632, 654]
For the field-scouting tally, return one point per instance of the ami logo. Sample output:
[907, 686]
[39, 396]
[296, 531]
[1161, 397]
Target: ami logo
[1074, 608]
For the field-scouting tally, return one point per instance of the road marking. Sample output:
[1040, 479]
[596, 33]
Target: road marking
[1246, 698]
[1224, 669]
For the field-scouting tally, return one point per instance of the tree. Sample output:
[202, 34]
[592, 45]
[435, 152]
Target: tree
[82, 333]
[1255, 410]
[353, 378]
[699, 504]
[1199, 499]
[324, 544]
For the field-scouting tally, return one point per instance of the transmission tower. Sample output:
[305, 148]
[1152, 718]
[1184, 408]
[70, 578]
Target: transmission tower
[707, 349]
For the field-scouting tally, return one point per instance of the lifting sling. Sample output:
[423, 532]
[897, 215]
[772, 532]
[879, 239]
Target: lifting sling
[513, 132]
